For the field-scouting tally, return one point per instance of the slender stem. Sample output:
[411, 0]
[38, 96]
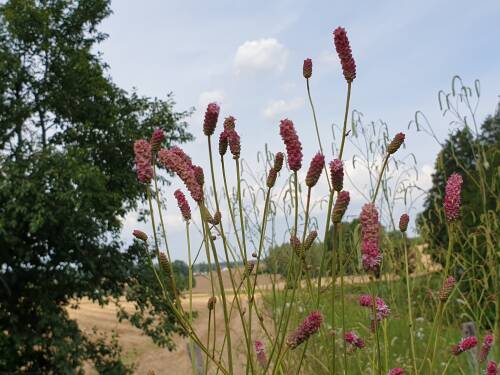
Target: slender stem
[334, 283]
[381, 174]
[409, 302]
[325, 245]
[375, 327]
[346, 114]
[342, 299]
[190, 287]
[229, 206]
[208, 337]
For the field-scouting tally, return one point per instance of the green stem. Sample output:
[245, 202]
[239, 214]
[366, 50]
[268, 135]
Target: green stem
[190, 286]
[346, 114]
[334, 283]
[381, 174]
[409, 302]
[342, 299]
[375, 327]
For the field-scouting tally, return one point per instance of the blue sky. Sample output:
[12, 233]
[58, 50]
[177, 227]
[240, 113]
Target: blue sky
[248, 57]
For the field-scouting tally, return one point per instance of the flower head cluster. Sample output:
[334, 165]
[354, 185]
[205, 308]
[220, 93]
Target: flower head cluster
[337, 174]
[491, 368]
[344, 51]
[278, 161]
[144, 169]
[340, 206]
[383, 309]
[176, 161]
[465, 344]
[396, 371]
[403, 222]
[211, 117]
[452, 197]
[396, 143]
[307, 68]
[486, 347]
[183, 205]
[354, 340]
[234, 142]
[223, 143]
[309, 327]
[229, 122]
[140, 235]
[447, 288]
[310, 239]
[292, 143]
[260, 353]
[271, 178]
[157, 139]
[370, 228]
[315, 169]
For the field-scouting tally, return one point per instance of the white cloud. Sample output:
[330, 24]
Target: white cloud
[207, 97]
[261, 55]
[282, 106]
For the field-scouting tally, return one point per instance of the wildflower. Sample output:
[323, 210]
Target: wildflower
[165, 264]
[211, 302]
[345, 54]
[396, 371]
[370, 228]
[157, 139]
[173, 161]
[223, 143]
[217, 217]
[371, 258]
[144, 169]
[337, 174]
[229, 122]
[271, 178]
[465, 344]
[403, 222]
[310, 239]
[452, 197]
[211, 117]
[485, 348]
[491, 368]
[260, 353]
[139, 234]
[340, 206]
[353, 339]
[183, 205]
[234, 143]
[307, 68]
[396, 143]
[315, 168]
[278, 161]
[199, 175]
[382, 308]
[309, 327]
[292, 143]
[447, 288]
[296, 245]
[180, 152]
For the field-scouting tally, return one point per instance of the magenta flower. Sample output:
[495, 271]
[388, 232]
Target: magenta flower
[337, 174]
[345, 54]
[315, 169]
[309, 327]
[371, 257]
[396, 143]
[396, 371]
[340, 206]
[229, 122]
[260, 352]
[292, 143]
[234, 142]
[485, 348]
[183, 205]
[491, 368]
[465, 344]
[211, 117]
[370, 229]
[307, 68]
[452, 197]
[382, 308]
[354, 340]
[223, 143]
[403, 222]
[157, 139]
[144, 169]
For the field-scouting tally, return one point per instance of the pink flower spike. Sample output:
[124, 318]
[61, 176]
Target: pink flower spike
[370, 228]
[465, 344]
[340, 206]
[183, 205]
[315, 169]
[309, 327]
[157, 139]
[337, 174]
[396, 143]
[486, 347]
[260, 353]
[211, 117]
[403, 222]
[452, 197]
[396, 371]
[491, 368]
[292, 143]
[345, 54]
[234, 143]
[144, 169]
[354, 340]
[307, 68]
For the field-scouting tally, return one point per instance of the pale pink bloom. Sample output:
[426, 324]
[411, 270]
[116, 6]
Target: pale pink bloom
[157, 139]
[452, 198]
[183, 205]
[143, 166]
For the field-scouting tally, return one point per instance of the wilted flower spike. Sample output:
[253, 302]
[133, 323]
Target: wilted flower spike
[310, 239]
[396, 143]
[447, 288]
[211, 117]
[260, 353]
[452, 198]
[140, 235]
[486, 347]
[157, 139]
[315, 169]
[292, 143]
[278, 161]
[340, 206]
[464, 345]
[491, 368]
[144, 169]
[183, 205]
[403, 222]
[396, 371]
[271, 178]
[345, 54]
[296, 245]
[211, 302]
[307, 68]
[223, 143]
[337, 174]
[309, 327]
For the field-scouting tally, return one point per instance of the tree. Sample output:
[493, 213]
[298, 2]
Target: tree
[66, 181]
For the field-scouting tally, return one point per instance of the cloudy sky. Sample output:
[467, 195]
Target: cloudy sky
[247, 56]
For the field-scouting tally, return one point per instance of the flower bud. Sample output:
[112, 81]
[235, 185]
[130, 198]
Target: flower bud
[345, 54]
[337, 174]
[292, 143]
[296, 245]
[183, 205]
[403, 222]
[217, 218]
[315, 169]
[271, 178]
[452, 199]
[340, 206]
[199, 175]
[211, 302]
[234, 143]
[211, 117]
[157, 139]
[396, 143]
[310, 239]
[140, 235]
[307, 68]
[304, 331]
[447, 288]
[223, 143]
[278, 161]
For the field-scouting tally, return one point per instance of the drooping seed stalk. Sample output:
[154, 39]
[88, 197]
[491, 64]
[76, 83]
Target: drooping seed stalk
[409, 302]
